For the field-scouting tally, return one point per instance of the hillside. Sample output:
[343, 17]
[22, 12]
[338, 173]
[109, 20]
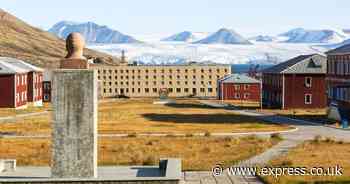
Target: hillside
[92, 32]
[20, 40]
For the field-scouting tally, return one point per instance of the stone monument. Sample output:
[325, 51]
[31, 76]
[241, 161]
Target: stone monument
[74, 127]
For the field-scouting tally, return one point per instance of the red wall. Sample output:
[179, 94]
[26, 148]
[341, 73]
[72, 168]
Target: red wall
[35, 84]
[7, 91]
[295, 91]
[229, 92]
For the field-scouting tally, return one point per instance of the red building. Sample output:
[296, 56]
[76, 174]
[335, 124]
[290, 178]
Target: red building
[19, 83]
[34, 80]
[296, 83]
[338, 81]
[238, 87]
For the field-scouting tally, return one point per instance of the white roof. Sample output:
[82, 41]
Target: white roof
[7, 68]
[21, 64]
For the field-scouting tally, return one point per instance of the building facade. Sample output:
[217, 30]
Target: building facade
[17, 82]
[148, 80]
[238, 87]
[297, 83]
[338, 81]
[34, 80]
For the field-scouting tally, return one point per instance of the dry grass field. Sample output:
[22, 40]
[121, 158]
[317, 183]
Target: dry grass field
[317, 153]
[142, 116]
[147, 150]
[4, 112]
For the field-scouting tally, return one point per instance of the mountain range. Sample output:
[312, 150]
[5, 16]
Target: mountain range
[95, 33]
[224, 36]
[300, 35]
[23, 41]
[92, 32]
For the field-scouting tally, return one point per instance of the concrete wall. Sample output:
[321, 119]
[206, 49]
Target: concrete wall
[74, 131]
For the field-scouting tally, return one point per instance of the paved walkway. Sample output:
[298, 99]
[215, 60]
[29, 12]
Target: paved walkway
[305, 131]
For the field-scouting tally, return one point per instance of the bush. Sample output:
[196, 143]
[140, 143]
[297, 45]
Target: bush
[189, 135]
[317, 139]
[207, 134]
[132, 135]
[329, 140]
[276, 136]
[150, 160]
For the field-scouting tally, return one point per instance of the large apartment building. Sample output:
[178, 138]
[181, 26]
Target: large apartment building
[148, 80]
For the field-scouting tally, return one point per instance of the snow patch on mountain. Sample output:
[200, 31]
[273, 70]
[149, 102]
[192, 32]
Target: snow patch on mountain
[300, 35]
[224, 36]
[263, 38]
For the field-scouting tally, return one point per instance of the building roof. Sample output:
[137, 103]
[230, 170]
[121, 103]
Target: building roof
[7, 68]
[239, 79]
[21, 64]
[303, 64]
[345, 49]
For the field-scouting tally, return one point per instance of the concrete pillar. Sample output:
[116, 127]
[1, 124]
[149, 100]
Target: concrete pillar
[74, 127]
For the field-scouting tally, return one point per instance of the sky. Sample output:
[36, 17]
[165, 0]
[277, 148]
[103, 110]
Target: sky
[161, 17]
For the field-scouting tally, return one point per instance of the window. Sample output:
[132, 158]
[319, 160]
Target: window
[246, 86]
[236, 87]
[308, 82]
[154, 90]
[246, 95]
[210, 90]
[147, 90]
[46, 97]
[202, 90]
[237, 96]
[186, 90]
[178, 90]
[308, 99]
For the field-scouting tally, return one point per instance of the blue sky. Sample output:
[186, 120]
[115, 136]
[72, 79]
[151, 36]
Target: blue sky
[141, 17]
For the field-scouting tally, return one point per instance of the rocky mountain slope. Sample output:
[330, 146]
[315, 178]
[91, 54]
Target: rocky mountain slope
[224, 36]
[20, 40]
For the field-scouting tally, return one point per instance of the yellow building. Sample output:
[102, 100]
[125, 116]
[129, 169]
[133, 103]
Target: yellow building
[147, 80]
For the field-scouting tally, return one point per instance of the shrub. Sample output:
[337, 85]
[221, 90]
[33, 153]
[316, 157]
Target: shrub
[207, 134]
[317, 139]
[150, 160]
[132, 135]
[329, 140]
[189, 135]
[276, 136]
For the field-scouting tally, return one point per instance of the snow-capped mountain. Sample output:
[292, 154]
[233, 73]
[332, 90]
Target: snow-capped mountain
[263, 38]
[346, 31]
[300, 35]
[92, 32]
[224, 36]
[185, 36]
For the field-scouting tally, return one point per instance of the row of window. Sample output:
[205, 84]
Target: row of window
[339, 67]
[21, 80]
[156, 90]
[238, 87]
[21, 96]
[161, 71]
[342, 94]
[238, 96]
[155, 83]
[154, 77]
